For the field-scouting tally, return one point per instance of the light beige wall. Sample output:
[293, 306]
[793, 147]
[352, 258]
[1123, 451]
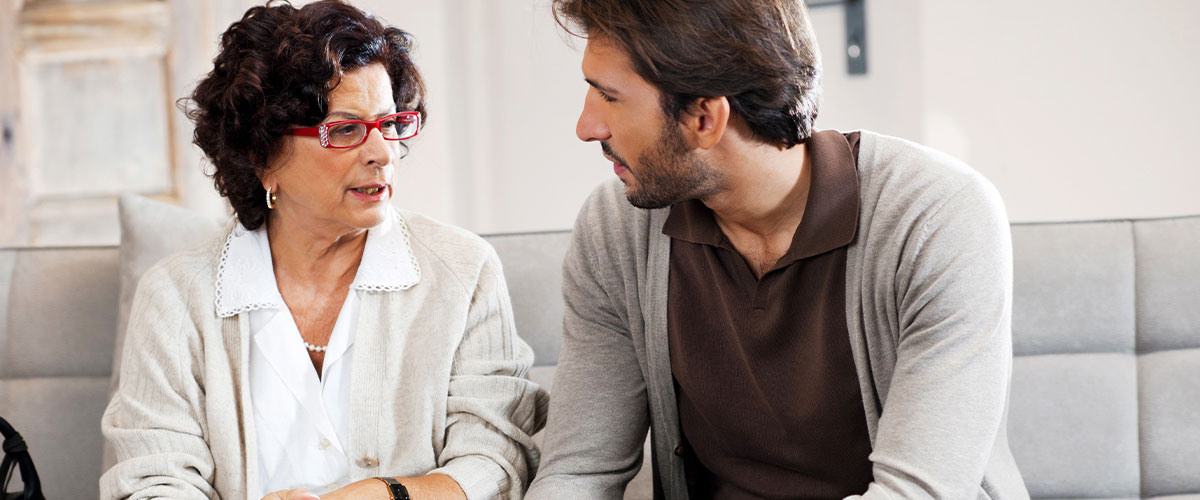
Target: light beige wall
[1079, 109]
[888, 98]
[1074, 109]
[500, 152]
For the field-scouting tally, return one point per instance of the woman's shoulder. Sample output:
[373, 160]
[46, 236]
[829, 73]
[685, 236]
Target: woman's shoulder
[436, 235]
[190, 263]
[445, 245]
[183, 281]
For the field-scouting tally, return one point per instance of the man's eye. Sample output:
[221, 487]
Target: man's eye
[607, 98]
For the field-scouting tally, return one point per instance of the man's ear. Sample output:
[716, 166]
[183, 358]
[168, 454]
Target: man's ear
[705, 121]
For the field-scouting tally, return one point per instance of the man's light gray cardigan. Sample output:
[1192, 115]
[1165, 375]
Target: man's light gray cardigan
[437, 382]
[928, 300]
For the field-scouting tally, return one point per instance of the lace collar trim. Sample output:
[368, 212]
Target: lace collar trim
[246, 278]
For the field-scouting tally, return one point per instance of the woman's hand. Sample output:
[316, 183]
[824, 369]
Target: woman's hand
[428, 487]
[367, 489]
[296, 494]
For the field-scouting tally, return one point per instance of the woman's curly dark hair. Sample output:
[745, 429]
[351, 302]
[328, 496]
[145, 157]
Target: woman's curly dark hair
[275, 69]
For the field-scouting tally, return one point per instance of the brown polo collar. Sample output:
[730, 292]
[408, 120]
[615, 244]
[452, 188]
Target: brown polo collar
[830, 215]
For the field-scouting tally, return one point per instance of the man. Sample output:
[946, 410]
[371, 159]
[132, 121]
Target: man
[793, 314]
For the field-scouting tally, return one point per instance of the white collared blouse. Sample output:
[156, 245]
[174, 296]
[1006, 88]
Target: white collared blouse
[301, 419]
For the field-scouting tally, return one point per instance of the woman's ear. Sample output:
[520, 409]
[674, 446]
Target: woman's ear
[267, 178]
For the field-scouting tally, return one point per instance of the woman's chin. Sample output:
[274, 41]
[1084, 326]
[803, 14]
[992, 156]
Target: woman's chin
[366, 218]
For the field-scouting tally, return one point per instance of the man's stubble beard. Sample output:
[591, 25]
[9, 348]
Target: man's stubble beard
[670, 173]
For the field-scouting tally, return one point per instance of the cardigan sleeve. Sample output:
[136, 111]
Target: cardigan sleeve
[492, 410]
[599, 414]
[154, 419]
[948, 393]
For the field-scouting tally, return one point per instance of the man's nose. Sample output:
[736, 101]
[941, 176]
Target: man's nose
[591, 125]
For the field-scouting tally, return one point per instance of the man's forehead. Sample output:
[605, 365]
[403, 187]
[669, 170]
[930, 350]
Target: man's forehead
[603, 55]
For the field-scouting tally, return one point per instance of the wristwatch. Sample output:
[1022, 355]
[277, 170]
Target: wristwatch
[399, 492]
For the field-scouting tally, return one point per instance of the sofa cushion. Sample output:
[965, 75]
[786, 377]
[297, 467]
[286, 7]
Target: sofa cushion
[1168, 284]
[58, 307]
[1168, 299]
[59, 417]
[1169, 391]
[1106, 373]
[532, 263]
[1073, 424]
[1073, 288]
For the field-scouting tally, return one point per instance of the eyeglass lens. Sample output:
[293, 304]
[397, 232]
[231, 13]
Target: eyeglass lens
[351, 134]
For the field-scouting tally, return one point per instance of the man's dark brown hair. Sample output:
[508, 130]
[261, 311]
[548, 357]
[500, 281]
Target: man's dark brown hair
[760, 54]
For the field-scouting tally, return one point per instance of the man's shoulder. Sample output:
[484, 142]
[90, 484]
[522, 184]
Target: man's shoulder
[901, 176]
[607, 214]
[894, 158]
[618, 244]
[608, 199]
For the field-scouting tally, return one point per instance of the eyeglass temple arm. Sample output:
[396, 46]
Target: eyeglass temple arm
[310, 131]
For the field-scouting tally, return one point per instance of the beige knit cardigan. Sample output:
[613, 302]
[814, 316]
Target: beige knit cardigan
[437, 384]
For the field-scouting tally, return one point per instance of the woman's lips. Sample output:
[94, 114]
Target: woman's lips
[370, 192]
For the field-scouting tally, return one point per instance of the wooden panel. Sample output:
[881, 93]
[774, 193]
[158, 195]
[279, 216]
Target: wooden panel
[88, 99]
[98, 127]
[95, 114]
[12, 175]
[69, 222]
[93, 31]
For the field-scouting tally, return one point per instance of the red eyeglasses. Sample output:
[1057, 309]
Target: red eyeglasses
[345, 134]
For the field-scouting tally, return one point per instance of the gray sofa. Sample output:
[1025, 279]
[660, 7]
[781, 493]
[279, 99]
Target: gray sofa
[1106, 379]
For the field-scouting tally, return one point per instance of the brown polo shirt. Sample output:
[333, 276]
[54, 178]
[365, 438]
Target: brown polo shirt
[769, 401]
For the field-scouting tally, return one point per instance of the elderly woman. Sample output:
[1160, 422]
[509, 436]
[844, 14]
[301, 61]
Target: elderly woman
[325, 343]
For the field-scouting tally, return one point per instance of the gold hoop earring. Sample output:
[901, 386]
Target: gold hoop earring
[271, 197]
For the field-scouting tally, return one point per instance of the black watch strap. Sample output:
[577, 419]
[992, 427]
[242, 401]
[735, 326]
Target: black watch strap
[399, 492]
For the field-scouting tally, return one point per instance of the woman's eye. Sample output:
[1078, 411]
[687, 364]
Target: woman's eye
[346, 129]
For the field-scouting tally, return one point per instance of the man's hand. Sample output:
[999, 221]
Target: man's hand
[296, 494]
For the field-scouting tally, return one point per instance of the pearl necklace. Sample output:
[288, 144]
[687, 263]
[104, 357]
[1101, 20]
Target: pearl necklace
[314, 348]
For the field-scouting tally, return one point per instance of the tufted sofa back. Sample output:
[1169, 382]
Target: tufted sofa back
[1106, 372]
[1105, 398]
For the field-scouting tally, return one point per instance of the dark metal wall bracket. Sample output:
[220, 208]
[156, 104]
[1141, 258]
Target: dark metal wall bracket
[856, 32]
